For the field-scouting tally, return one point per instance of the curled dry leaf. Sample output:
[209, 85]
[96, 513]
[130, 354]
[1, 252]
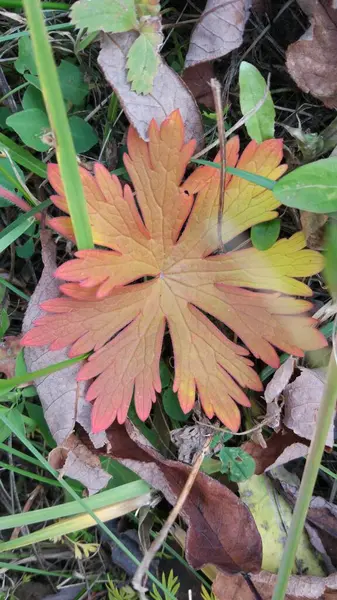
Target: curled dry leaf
[312, 60]
[160, 268]
[61, 396]
[274, 390]
[75, 460]
[218, 31]
[281, 448]
[221, 529]
[227, 587]
[302, 398]
[169, 91]
[9, 349]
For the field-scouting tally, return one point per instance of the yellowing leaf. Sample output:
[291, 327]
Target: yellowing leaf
[142, 63]
[160, 268]
[109, 15]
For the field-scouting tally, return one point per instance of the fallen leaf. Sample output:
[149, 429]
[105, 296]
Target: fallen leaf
[274, 390]
[169, 91]
[313, 228]
[234, 587]
[272, 515]
[218, 31]
[9, 349]
[312, 60]
[75, 460]
[279, 380]
[124, 324]
[59, 389]
[281, 448]
[197, 79]
[220, 527]
[189, 441]
[302, 398]
[67, 593]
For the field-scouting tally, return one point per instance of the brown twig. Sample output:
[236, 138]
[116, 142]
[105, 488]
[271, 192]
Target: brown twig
[216, 89]
[137, 581]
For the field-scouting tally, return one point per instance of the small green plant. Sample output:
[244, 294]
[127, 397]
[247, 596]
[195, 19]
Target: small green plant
[171, 583]
[205, 595]
[123, 593]
[235, 462]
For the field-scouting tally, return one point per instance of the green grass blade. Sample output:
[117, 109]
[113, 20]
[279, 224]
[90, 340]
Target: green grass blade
[83, 503]
[6, 385]
[44, 5]
[65, 150]
[19, 34]
[10, 566]
[14, 289]
[252, 177]
[23, 157]
[29, 474]
[20, 225]
[69, 509]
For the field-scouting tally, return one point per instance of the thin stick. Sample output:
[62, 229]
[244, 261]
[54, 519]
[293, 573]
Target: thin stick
[144, 566]
[239, 123]
[26, 508]
[216, 89]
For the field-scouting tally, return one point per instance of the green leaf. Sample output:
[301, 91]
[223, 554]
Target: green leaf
[236, 463]
[142, 63]
[35, 412]
[23, 157]
[260, 126]
[33, 98]
[172, 407]
[4, 113]
[83, 134]
[72, 83]
[26, 250]
[312, 187]
[30, 125]
[330, 271]
[264, 235]
[14, 416]
[113, 16]
[33, 79]
[25, 61]
[4, 322]
[165, 375]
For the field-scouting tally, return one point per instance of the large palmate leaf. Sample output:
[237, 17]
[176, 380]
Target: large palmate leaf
[157, 270]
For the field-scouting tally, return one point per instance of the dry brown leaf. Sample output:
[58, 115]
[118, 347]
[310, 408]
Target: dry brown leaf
[197, 79]
[312, 60]
[279, 380]
[234, 587]
[169, 91]
[220, 527]
[58, 390]
[313, 228]
[281, 448]
[9, 349]
[302, 398]
[75, 460]
[218, 31]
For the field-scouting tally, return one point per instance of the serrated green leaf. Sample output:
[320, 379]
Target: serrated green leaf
[172, 407]
[236, 463]
[111, 16]
[264, 235]
[312, 187]
[260, 126]
[33, 98]
[30, 125]
[83, 134]
[72, 83]
[142, 64]
[25, 61]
